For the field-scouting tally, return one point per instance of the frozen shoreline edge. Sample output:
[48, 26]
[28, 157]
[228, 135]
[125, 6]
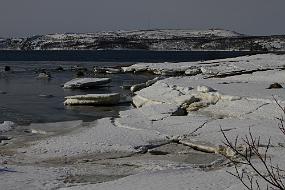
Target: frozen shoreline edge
[160, 117]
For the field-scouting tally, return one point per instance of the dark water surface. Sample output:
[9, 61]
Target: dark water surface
[25, 99]
[117, 55]
[28, 99]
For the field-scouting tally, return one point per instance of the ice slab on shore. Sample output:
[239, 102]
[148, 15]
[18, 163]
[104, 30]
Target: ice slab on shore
[246, 108]
[222, 67]
[178, 179]
[252, 86]
[31, 177]
[170, 125]
[160, 93]
[101, 136]
[183, 178]
[234, 127]
[265, 76]
[245, 103]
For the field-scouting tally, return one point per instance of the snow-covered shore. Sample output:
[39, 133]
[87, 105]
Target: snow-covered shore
[152, 145]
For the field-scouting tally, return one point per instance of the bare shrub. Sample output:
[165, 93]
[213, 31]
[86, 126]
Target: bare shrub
[270, 173]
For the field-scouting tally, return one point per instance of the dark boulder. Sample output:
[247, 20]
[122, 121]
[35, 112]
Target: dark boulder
[80, 74]
[7, 68]
[59, 68]
[275, 86]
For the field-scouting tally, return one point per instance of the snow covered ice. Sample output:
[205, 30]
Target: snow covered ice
[178, 112]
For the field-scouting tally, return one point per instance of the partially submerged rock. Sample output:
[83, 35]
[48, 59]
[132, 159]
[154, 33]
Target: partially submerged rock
[93, 99]
[78, 68]
[275, 86]
[86, 83]
[59, 68]
[44, 75]
[7, 68]
[80, 74]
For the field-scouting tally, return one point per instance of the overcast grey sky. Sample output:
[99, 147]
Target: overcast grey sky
[29, 17]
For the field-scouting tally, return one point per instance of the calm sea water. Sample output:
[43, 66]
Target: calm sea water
[28, 99]
[118, 55]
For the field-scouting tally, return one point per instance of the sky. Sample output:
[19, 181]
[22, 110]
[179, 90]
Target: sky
[19, 18]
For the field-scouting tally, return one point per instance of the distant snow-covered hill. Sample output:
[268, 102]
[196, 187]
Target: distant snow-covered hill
[213, 39]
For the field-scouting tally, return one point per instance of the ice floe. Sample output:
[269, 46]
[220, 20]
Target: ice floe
[93, 99]
[86, 82]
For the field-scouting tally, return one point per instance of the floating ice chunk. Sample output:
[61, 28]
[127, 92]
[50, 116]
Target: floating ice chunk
[86, 82]
[93, 99]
